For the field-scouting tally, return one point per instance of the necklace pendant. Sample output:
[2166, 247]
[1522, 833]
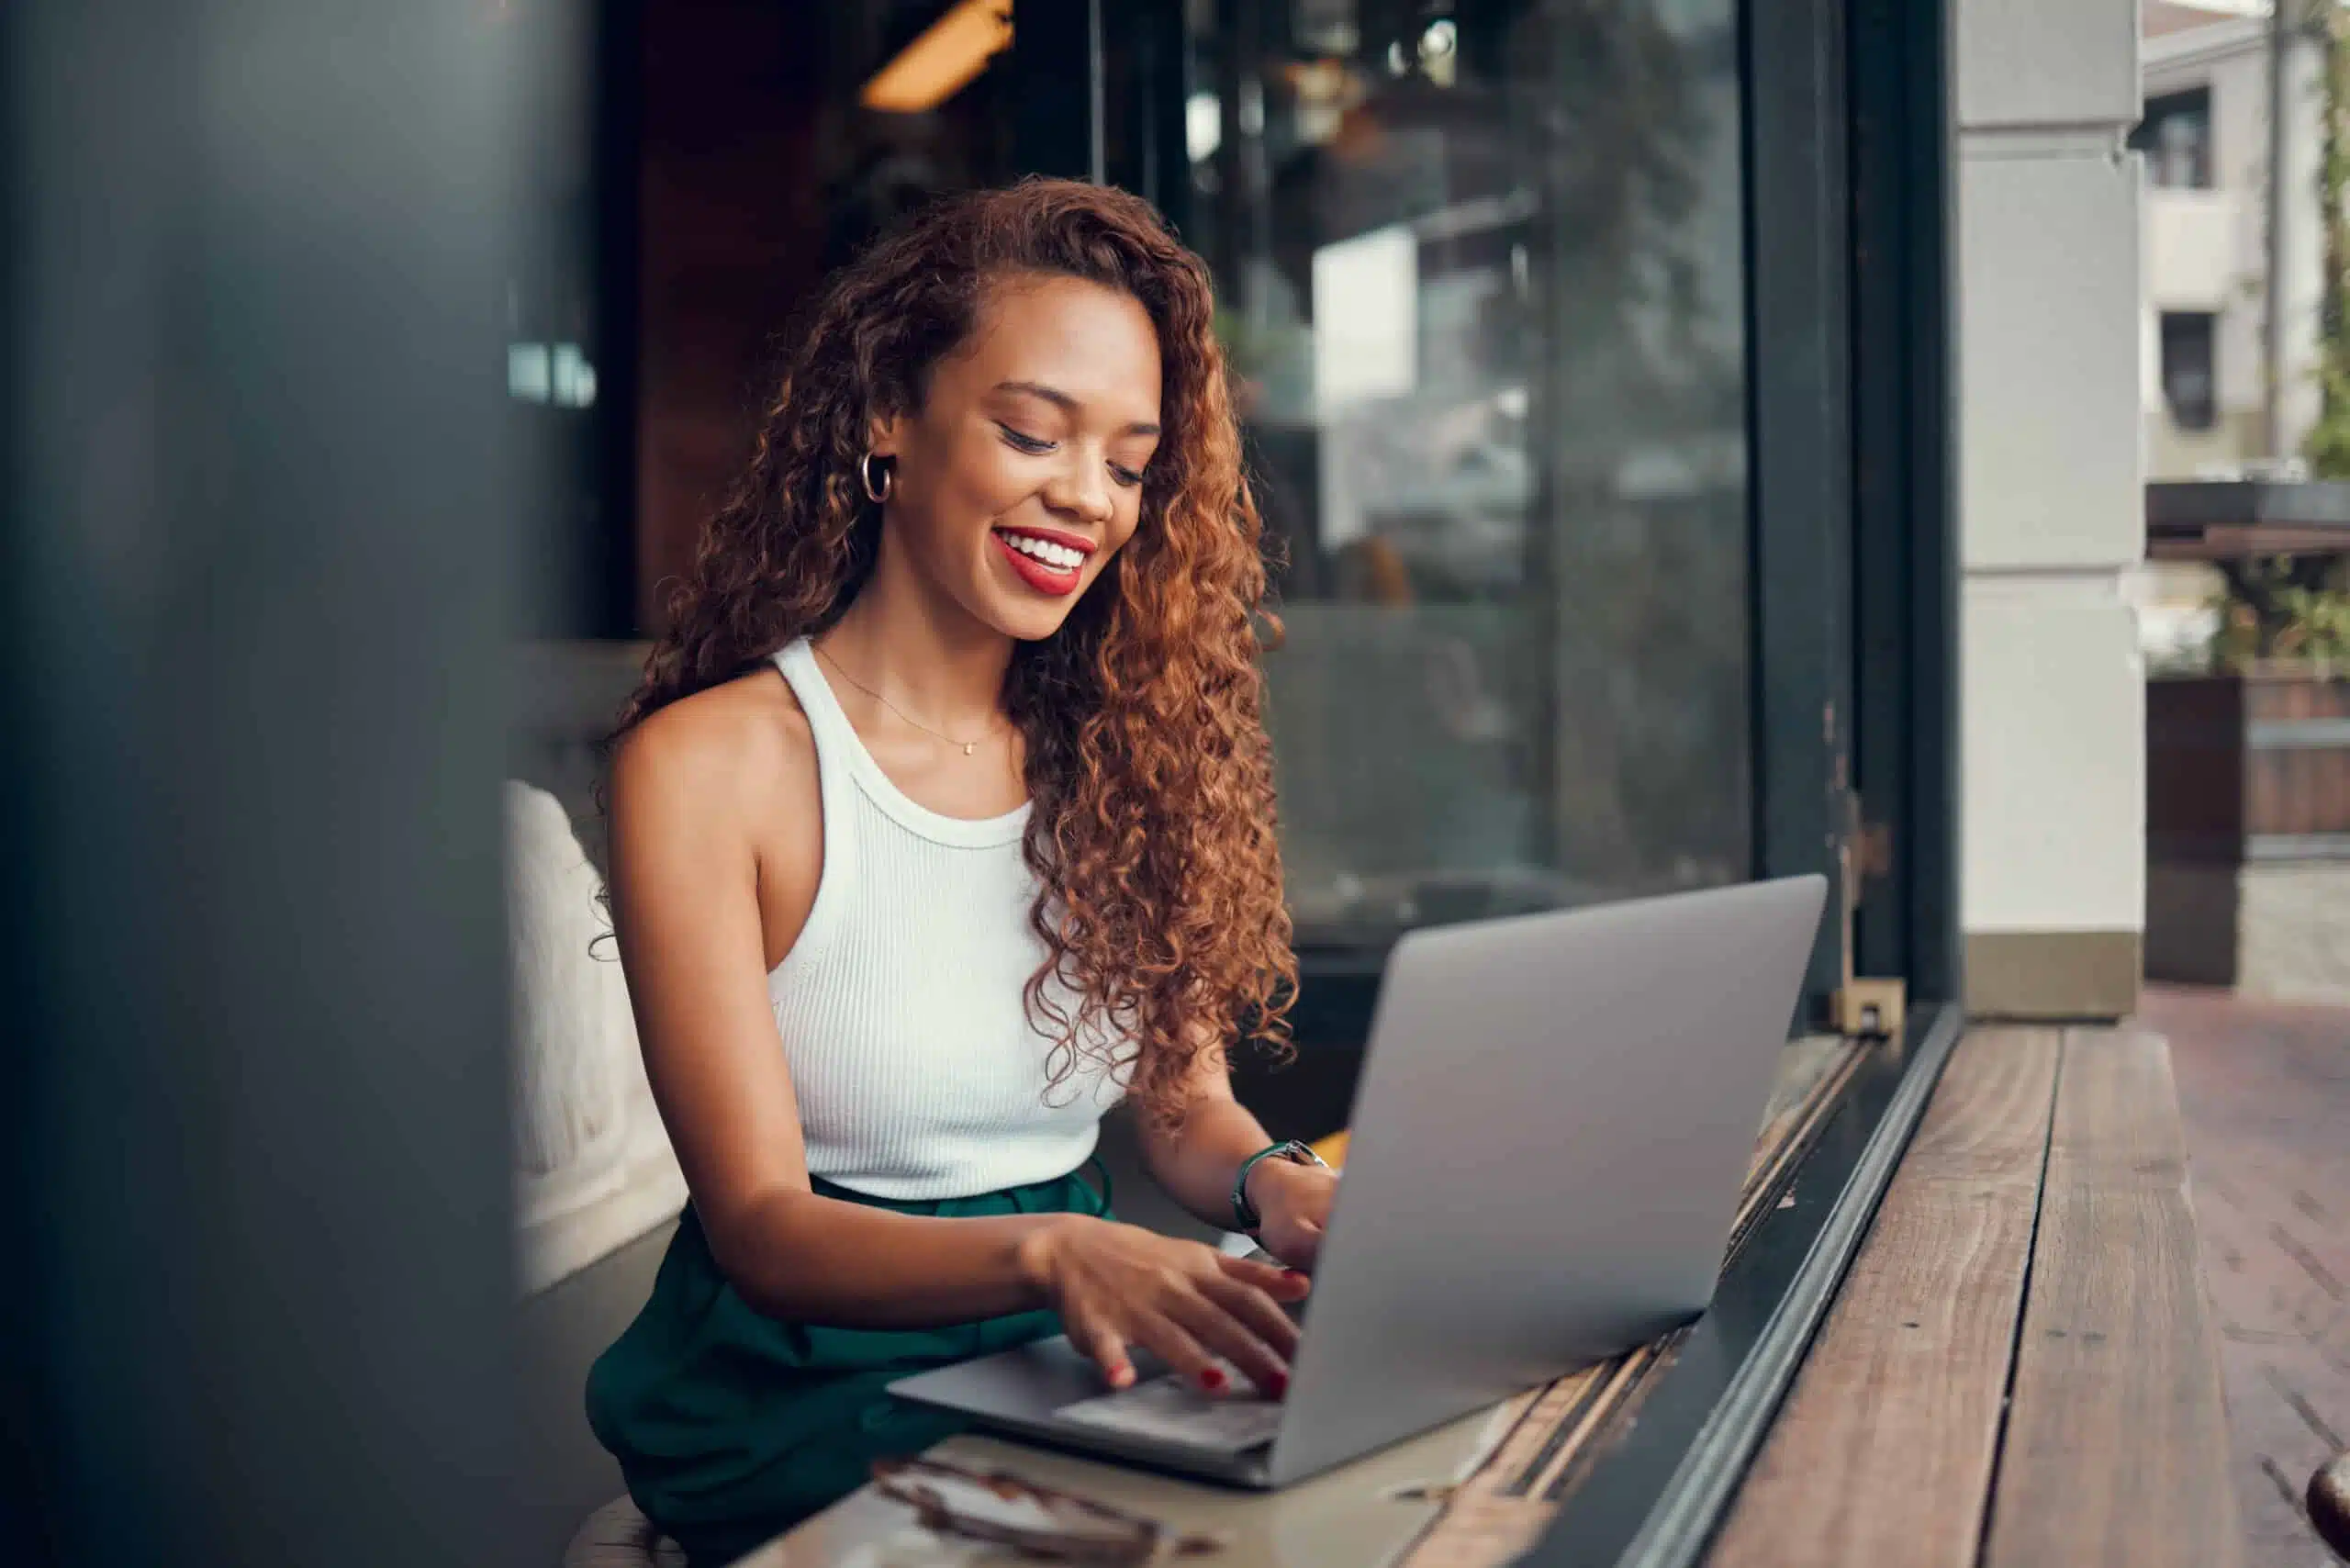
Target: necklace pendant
[968, 745]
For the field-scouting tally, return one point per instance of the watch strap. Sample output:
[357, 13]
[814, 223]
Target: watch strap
[1244, 1213]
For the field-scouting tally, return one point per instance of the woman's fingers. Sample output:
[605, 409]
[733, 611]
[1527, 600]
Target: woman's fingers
[1225, 1334]
[1307, 1245]
[1259, 1313]
[1105, 1346]
[1175, 1344]
[1195, 1307]
[1282, 1284]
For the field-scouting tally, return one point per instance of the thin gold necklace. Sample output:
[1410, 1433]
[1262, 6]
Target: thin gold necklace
[968, 746]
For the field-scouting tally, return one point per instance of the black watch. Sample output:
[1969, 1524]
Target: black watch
[1245, 1216]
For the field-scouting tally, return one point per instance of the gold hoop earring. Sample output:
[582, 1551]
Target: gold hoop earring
[873, 492]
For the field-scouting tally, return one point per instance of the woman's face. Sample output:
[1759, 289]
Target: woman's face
[1022, 473]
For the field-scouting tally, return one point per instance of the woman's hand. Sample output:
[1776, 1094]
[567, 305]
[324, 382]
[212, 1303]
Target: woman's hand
[1293, 1200]
[1116, 1285]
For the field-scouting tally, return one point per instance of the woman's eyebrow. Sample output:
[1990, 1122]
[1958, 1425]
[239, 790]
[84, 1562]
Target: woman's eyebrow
[1067, 404]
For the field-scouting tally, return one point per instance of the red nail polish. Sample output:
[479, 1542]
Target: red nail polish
[1276, 1385]
[1212, 1378]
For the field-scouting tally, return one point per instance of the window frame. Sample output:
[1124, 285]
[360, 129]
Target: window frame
[2187, 104]
[2175, 330]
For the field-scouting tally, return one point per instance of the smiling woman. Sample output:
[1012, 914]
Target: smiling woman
[1052, 560]
[895, 944]
[1038, 430]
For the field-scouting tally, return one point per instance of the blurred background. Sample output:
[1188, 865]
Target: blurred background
[1702, 441]
[369, 372]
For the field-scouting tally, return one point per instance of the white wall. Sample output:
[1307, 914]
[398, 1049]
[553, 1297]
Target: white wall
[2239, 164]
[2049, 329]
[2193, 255]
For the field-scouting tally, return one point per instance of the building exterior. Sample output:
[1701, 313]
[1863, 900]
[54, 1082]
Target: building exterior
[2211, 69]
[2206, 141]
[2234, 228]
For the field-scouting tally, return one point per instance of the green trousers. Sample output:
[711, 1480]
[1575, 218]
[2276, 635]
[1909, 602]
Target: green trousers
[731, 1426]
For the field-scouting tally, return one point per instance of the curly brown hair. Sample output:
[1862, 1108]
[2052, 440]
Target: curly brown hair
[1152, 831]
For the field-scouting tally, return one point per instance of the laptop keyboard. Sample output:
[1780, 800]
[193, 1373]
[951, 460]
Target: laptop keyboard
[1171, 1410]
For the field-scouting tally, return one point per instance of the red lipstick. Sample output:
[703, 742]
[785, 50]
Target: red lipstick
[1058, 581]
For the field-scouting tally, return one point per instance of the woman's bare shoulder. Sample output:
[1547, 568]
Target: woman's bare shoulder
[741, 748]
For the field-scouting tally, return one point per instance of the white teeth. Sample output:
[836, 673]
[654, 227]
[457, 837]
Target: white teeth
[1059, 556]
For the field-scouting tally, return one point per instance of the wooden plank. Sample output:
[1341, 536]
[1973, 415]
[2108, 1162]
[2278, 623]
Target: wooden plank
[1498, 1512]
[2117, 1445]
[1804, 1062]
[1884, 1452]
[1486, 1519]
[2263, 1092]
[1811, 1070]
[1817, 1068]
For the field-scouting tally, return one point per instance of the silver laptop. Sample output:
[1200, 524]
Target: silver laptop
[1550, 1138]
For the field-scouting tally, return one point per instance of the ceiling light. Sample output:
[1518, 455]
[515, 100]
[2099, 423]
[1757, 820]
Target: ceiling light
[935, 67]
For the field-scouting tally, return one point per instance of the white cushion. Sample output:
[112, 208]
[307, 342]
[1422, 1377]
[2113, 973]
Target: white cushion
[593, 1167]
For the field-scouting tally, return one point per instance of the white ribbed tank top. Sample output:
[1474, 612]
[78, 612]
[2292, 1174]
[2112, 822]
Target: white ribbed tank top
[901, 1004]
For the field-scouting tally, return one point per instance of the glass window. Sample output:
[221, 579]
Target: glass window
[2189, 380]
[1482, 278]
[2176, 137]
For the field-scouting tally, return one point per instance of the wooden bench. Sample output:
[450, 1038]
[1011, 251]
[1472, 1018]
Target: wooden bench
[2021, 1368]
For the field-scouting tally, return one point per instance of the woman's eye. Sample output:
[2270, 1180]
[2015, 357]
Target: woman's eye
[1125, 476]
[1027, 443]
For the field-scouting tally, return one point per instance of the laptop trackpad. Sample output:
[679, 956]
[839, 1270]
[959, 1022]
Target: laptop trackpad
[1170, 1410]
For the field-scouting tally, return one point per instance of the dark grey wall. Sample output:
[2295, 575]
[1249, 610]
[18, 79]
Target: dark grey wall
[255, 588]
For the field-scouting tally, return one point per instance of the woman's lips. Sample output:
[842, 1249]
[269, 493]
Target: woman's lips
[1035, 572]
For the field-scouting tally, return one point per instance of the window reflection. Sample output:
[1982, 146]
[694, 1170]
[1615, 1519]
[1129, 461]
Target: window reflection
[2176, 137]
[1482, 280]
[554, 319]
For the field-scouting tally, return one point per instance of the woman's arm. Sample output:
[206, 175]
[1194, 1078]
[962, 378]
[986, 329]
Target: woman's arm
[688, 873]
[1196, 1165]
[688, 788]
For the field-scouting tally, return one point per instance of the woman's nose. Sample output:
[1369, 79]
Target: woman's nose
[1083, 491]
